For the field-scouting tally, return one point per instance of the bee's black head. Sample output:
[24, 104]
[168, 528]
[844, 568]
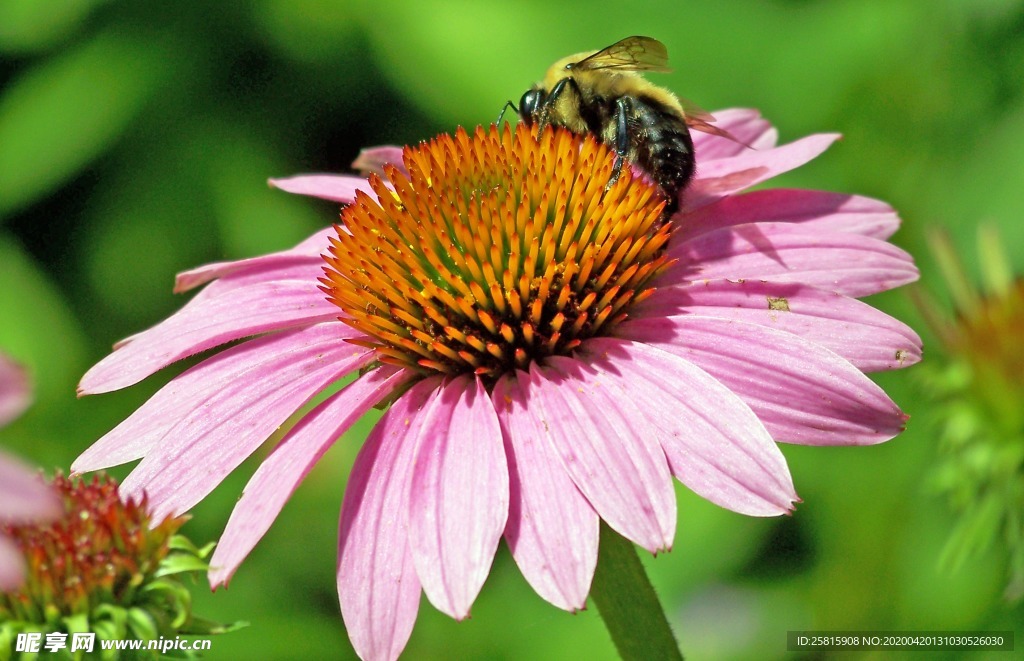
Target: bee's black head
[530, 104]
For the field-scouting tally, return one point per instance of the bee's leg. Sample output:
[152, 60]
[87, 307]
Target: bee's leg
[501, 115]
[623, 110]
[552, 99]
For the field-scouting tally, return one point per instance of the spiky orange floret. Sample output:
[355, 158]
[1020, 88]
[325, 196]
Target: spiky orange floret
[495, 250]
[991, 333]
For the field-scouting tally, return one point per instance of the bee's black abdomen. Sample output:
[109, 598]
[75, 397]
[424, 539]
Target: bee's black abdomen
[664, 148]
[640, 128]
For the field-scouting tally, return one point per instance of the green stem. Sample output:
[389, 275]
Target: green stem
[627, 603]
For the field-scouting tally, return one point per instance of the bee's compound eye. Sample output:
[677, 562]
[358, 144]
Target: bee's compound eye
[530, 103]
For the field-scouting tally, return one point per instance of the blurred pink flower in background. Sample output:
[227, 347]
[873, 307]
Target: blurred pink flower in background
[545, 375]
[15, 391]
[23, 494]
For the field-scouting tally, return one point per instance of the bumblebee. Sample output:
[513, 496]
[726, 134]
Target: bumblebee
[604, 93]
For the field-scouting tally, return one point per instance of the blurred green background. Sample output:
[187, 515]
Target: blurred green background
[135, 142]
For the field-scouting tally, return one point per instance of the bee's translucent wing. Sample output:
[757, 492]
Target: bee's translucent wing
[701, 120]
[630, 54]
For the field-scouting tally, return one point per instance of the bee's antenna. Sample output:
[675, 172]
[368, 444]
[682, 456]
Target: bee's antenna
[501, 115]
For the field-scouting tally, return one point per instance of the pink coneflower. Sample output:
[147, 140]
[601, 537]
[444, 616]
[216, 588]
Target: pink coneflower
[23, 494]
[501, 296]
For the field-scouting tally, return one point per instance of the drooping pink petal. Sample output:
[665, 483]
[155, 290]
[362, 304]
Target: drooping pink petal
[373, 159]
[235, 306]
[334, 187]
[724, 176]
[850, 264]
[715, 444]
[801, 391]
[15, 390]
[608, 448]
[24, 496]
[201, 425]
[226, 427]
[810, 209]
[867, 337]
[746, 125]
[552, 530]
[309, 248]
[377, 583]
[458, 500]
[12, 565]
[280, 474]
[233, 368]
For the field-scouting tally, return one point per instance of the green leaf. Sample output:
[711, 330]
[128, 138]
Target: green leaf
[142, 625]
[170, 600]
[183, 544]
[198, 626]
[181, 564]
[77, 623]
[109, 621]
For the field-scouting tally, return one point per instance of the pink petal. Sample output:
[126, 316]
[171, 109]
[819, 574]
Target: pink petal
[715, 444]
[868, 338]
[812, 210]
[850, 264]
[202, 424]
[12, 565]
[724, 176]
[608, 448]
[15, 390]
[458, 500]
[138, 434]
[238, 305]
[802, 392]
[311, 247]
[334, 187]
[552, 530]
[279, 475]
[24, 495]
[374, 159]
[377, 582]
[746, 125]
